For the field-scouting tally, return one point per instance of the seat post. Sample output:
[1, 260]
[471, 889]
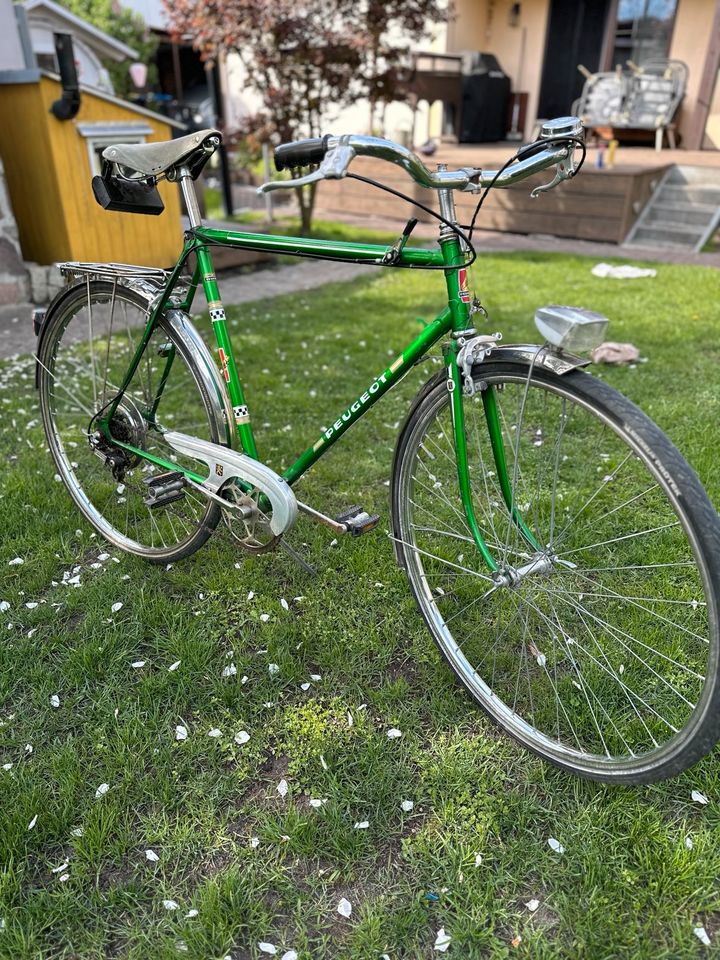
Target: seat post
[188, 192]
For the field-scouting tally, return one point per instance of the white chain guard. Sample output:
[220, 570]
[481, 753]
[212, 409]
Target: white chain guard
[224, 464]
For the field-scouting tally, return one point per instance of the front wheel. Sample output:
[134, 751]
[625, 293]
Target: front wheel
[597, 646]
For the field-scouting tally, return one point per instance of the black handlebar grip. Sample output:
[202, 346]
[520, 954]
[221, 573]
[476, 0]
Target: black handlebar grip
[301, 153]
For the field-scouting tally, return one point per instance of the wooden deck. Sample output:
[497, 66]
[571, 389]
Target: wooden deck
[600, 204]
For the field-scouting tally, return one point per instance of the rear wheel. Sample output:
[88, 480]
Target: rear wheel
[599, 650]
[84, 353]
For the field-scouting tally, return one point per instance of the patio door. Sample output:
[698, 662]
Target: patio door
[575, 34]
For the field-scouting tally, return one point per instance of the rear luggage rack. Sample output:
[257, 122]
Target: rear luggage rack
[112, 271]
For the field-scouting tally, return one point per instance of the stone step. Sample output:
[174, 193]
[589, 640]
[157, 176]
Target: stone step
[700, 215]
[677, 193]
[696, 176]
[666, 235]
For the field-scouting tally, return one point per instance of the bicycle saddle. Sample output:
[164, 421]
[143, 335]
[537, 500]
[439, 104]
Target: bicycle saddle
[154, 159]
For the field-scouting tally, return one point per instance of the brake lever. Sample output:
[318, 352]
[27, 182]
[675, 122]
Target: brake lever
[564, 170]
[333, 167]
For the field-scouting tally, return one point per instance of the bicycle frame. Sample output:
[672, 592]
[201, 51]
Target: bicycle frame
[454, 319]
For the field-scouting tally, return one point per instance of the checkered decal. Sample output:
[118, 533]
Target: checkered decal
[217, 314]
[241, 412]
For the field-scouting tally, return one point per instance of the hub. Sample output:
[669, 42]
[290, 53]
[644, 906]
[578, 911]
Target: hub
[540, 565]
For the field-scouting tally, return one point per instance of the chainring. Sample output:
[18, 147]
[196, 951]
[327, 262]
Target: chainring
[252, 533]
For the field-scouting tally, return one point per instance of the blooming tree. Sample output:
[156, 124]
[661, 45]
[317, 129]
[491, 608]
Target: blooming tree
[308, 58]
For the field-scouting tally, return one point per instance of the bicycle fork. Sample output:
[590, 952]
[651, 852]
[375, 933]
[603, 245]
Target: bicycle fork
[459, 298]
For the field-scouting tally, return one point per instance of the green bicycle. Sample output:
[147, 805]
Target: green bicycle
[562, 553]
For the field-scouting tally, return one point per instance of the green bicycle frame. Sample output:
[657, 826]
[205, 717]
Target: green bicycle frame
[455, 318]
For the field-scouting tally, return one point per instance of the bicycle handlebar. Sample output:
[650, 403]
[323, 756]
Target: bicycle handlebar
[335, 154]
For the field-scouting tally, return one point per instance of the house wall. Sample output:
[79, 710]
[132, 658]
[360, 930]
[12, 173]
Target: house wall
[482, 25]
[48, 176]
[690, 39]
[11, 52]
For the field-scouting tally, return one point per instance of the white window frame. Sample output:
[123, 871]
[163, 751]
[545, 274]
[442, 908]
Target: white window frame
[100, 135]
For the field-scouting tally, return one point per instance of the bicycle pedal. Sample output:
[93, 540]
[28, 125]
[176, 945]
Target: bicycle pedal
[164, 499]
[160, 479]
[164, 488]
[358, 521]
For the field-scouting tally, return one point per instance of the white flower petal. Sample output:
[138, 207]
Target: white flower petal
[267, 948]
[230, 670]
[7, 766]
[16, 562]
[102, 790]
[362, 825]
[314, 802]
[255, 842]
[393, 733]
[32, 822]
[174, 666]
[532, 905]
[170, 904]
[264, 617]
[215, 733]
[701, 934]
[181, 732]
[556, 845]
[407, 805]
[478, 859]
[242, 737]
[344, 907]
[282, 788]
[304, 686]
[116, 607]
[316, 677]
[136, 664]
[4, 605]
[699, 797]
[284, 604]
[191, 914]
[273, 668]
[55, 701]
[77, 832]
[152, 856]
[442, 941]
[63, 866]
[289, 955]
[689, 843]
[64, 878]
[323, 762]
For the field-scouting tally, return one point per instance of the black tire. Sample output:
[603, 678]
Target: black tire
[78, 374]
[617, 683]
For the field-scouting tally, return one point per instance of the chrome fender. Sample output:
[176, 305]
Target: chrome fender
[207, 370]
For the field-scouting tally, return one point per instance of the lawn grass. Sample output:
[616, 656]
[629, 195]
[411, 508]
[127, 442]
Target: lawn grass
[640, 866]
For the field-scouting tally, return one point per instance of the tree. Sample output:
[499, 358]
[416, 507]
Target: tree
[127, 27]
[308, 58]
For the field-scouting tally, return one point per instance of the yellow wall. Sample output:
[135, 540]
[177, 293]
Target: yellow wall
[483, 25]
[690, 41]
[48, 176]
